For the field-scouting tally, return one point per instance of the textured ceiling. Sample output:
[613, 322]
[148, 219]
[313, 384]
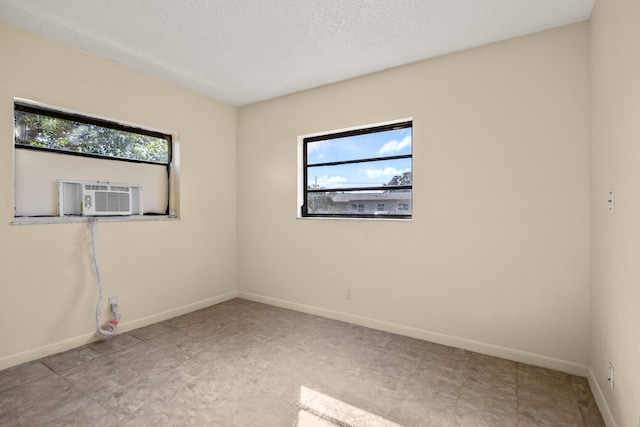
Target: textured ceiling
[243, 51]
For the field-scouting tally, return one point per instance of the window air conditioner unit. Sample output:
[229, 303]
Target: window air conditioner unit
[96, 198]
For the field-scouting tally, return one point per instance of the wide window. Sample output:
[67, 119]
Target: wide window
[359, 173]
[53, 146]
[73, 134]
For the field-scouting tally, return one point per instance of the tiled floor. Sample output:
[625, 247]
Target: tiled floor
[246, 364]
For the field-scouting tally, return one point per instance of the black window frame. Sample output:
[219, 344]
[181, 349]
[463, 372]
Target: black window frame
[50, 112]
[342, 134]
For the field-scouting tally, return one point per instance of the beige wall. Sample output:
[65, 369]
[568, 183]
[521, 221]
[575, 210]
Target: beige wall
[48, 289]
[615, 237]
[496, 257]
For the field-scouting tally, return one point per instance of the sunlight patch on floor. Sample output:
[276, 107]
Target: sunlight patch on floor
[320, 410]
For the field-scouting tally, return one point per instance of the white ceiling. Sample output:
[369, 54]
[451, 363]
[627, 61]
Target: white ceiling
[244, 51]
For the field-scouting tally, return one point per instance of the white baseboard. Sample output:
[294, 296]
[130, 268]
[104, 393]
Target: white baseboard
[477, 346]
[159, 317]
[453, 341]
[607, 415]
[57, 347]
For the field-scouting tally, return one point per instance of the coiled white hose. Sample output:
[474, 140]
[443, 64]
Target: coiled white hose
[113, 324]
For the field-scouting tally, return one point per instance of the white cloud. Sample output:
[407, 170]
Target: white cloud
[325, 180]
[335, 179]
[395, 146]
[377, 173]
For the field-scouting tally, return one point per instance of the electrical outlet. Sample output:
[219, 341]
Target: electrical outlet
[113, 304]
[612, 201]
[347, 293]
[610, 376]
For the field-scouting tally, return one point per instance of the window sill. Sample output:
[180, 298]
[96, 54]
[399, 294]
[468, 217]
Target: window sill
[28, 220]
[337, 218]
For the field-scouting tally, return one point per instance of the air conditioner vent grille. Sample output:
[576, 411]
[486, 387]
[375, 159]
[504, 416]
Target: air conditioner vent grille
[96, 187]
[112, 201]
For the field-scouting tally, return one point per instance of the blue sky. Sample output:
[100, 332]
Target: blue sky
[380, 144]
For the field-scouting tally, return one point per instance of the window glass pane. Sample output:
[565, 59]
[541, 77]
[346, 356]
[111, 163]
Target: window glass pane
[38, 130]
[360, 175]
[394, 142]
[395, 202]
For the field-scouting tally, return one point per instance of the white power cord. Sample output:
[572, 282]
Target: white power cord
[113, 323]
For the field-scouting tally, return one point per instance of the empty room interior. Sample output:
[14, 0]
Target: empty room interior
[253, 287]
